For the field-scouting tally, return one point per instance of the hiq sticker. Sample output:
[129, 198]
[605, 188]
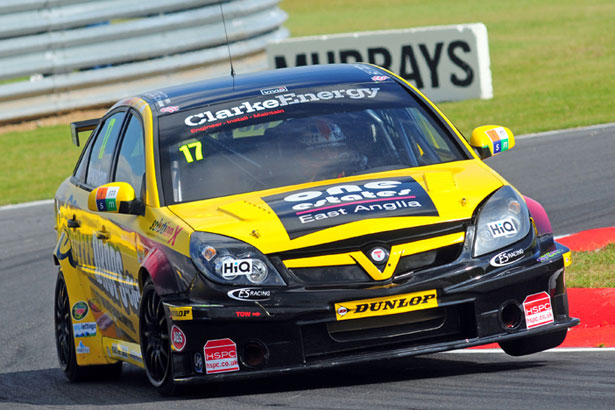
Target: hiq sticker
[503, 227]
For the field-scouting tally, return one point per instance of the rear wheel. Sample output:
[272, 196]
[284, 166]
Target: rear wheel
[65, 342]
[534, 344]
[155, 344]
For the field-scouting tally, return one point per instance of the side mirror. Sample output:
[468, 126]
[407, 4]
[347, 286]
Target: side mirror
[115, 197]
[490, 140]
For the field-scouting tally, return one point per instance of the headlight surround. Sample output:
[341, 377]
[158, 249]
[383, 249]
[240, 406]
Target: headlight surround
[228, 261]
[503, 220]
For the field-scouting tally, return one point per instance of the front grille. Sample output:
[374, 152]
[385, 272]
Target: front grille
[331, 274]
[336, 339]
[424, 260]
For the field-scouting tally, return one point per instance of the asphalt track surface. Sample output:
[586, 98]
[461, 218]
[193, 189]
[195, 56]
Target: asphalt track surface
[570, 172]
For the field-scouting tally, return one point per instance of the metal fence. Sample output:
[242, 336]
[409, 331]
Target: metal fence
[59, 55]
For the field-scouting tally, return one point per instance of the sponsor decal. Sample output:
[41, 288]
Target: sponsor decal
[309, 210]
[506, 257]
[181, 312]
[198, 363]
[503, 227]
[106, 198]
[80, 310]
[123, 352]
[538, 311]
[178, 339]
[342, 310]
[379, 78]
[229, 267]
[166, 229]
[388, 305]
[378, 255]
[170, 109]
[82, 349]
[249, 294]
[252, 107]
[160, 97]
[274, 90]
[111, 278]
[87, 329]
[220, 356]
[109, 274]
[550, 255]
[499, 139]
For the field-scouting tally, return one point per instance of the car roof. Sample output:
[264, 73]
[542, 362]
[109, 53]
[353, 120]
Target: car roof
[207, 92]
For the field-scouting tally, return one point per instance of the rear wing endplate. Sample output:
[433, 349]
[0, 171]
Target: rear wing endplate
[80, 126]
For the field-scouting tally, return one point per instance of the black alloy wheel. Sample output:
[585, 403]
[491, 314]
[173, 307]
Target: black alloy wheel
[63, 330]
[155, 343]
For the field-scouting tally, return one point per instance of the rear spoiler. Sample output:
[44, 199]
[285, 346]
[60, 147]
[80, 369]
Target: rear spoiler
[80, 126]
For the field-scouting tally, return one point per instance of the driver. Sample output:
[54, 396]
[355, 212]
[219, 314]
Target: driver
[321, 149]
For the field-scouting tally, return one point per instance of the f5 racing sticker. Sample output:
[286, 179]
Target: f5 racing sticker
[220, 356]
[309, 210]
[507, 257]
[389, 305]
[249, 294]
[538, 311]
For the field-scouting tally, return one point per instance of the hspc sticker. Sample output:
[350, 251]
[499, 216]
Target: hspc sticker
[538, 311]
[310, 210]
[220, 356]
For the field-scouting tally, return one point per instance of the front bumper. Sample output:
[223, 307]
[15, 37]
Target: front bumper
[298, 330]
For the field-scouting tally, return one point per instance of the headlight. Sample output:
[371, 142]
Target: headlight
[231, 262]
[503, 220]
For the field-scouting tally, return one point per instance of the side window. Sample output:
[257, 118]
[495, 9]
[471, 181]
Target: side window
[101, 156]
[83, 163]
[131, 160]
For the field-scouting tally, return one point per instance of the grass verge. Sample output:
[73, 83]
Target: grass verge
[593, 269]
[552, 65]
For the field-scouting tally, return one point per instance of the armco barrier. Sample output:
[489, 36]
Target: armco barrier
[58, 55]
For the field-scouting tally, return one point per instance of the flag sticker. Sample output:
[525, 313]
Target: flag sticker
[499, 139]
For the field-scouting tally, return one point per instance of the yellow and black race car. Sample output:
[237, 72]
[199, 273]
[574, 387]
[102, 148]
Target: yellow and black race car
[294, 219]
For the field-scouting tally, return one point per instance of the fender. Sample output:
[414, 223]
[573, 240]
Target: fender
[170, 271]
[538, 213]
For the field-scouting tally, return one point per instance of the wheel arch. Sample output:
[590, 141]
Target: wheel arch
[538, 213]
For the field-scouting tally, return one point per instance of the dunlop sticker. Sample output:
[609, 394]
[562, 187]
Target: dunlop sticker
[181, 312]
[389, 305]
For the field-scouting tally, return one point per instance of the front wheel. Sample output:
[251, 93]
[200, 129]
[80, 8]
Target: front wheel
[155, 344]
[65, 342]
[533, 344]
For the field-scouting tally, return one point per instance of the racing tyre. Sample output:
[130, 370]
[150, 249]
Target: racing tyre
[155, 343]
[533, 344]
[65, 342]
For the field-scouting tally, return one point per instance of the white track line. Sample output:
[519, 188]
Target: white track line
[564, 131]
[556, 350]
[26, 205]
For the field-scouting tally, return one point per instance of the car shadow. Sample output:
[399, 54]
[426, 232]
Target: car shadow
[50, 386]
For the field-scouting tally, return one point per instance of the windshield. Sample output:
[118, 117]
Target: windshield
[286, 137]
